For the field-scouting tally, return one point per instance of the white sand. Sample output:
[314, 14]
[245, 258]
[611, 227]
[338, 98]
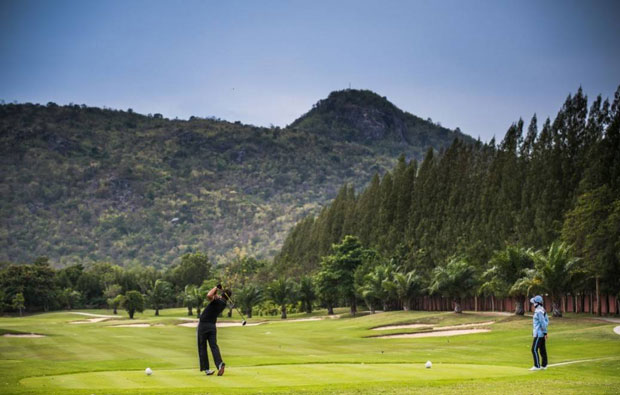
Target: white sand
[406, 326]
[22, 335]
[300, 319]
[94, 315]
[475, 324]
[130, 326]
[455, 332]
[89, 321]
[437, 328]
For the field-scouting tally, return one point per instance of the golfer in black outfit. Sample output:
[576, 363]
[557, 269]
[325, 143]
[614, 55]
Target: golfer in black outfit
[208, 332]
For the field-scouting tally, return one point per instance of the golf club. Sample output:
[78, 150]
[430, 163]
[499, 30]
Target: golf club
[243, 322]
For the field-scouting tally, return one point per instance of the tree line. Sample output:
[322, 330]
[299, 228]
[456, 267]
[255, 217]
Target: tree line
[39, 287]
[537, 195]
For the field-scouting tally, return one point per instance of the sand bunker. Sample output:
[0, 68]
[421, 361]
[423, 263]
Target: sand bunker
[436, 328]
[406, 326]
[475, 324]
[617, 330]
[94, 315]
[22, 335]
[302, 319]
[455, 332]
[130, 326]
[495, 313]
[219, 324]
[89, 321]
[189, 324]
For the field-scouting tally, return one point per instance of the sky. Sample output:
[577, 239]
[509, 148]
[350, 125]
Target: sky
[477, 65]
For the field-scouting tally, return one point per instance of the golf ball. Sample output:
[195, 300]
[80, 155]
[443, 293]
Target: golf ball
[429, 364]
[148, 371]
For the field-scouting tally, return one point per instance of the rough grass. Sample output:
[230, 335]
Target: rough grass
[326, 356]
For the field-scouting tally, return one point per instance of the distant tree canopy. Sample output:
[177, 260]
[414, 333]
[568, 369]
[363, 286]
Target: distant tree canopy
[133, 301]
[193, 269]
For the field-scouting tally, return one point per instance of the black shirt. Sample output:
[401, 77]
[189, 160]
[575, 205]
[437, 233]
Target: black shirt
[213, 309]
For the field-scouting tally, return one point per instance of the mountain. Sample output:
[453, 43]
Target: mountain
[83, 184]
[364, 117]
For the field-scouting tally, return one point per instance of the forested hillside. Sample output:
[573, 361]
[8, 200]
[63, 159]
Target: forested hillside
[466, 205]
[82, 184]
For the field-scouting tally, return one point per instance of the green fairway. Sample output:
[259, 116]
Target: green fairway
[272, 375]
[327, 355]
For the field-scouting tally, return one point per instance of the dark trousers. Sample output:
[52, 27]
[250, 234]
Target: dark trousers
[208, 333]
[539, 345]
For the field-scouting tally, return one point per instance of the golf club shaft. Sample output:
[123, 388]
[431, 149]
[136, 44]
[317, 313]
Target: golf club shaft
[235, 306]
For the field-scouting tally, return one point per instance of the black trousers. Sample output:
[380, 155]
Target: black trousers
[539, 345]
[208, 333]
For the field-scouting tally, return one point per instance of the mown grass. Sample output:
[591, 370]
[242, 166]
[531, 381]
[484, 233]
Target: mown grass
[325, 356]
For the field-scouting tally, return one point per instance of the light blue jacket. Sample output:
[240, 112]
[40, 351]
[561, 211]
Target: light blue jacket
[540, 322]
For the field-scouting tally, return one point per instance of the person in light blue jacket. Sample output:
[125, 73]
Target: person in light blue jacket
[540, 324]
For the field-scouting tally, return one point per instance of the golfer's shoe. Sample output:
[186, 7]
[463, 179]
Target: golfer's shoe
[534, 368]
[209, 372]
[544, 368]
[221, 369]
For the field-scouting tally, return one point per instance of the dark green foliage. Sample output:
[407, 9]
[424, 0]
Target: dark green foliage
[307, 294]
[133, 301]
[341, 264]
[82, 184]
[193, 269]
[365, 117]
[472, 200]
[457, 279]
[34, 282]
[282, 292]
[507, 266]
[160, 295]
[554, 270]
[19, 303]
[248, 297]
[327, 289]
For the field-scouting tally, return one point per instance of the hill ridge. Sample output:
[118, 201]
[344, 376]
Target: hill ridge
[83, 183]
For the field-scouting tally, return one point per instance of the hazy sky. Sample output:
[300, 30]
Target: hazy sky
[479, 65]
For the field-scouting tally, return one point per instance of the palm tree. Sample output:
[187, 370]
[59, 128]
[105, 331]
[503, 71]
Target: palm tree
[507, 267]
[528, 284]
[188, 297]
[457, 280]
[374, 288]
[554, 271]
[281, 292]
[406, 287]
[307, 294]
[248, 297]
[160, 294]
